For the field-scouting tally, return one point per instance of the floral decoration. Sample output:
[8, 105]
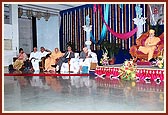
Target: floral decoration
[105, 59]
[160, 62]
[128, 70]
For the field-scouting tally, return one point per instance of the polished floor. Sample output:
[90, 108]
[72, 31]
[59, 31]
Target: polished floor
[81, 94]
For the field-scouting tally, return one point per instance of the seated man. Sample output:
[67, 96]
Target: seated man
[85, 54]
[64, 59]
[150, 44]
[85, 58]
[51, 59]
[35, 58]
[44, 52]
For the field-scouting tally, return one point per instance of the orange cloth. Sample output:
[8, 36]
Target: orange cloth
[51, 60]
[150, 46]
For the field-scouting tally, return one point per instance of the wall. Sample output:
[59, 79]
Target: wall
[25, 34]
[10, 32]
[48, 32]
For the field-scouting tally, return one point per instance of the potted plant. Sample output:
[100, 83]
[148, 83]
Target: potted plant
[112, 48]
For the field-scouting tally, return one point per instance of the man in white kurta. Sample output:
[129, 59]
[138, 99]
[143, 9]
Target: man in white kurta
[35, 58]
[43, 52]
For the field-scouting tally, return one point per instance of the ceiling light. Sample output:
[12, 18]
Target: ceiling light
[29, 14]
[46, 16]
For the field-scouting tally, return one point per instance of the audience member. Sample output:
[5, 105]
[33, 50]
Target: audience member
[64, 59]
[44, 52]
[22, 57]
[35, 58]
[52, 59]
[85, 53]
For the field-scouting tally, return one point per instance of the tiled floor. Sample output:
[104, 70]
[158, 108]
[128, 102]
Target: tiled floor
[81, 94]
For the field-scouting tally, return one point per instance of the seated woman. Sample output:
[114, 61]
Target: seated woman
[52, 59]
[20, 60]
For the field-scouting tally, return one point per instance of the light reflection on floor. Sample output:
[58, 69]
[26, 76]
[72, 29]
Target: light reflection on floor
[80, 94]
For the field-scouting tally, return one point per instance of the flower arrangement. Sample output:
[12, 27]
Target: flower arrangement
[160, 62]
[128, 70]
[105, 59]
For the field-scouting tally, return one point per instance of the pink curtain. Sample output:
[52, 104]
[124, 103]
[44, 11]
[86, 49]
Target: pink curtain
[123, 36]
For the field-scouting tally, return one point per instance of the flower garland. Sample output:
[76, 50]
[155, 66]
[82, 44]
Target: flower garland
[105, 59]
[128, 70]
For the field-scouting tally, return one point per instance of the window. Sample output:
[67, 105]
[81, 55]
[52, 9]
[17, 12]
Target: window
[7, 14]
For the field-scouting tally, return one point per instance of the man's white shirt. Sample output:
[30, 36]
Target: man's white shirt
[43, 54]
[36, 55]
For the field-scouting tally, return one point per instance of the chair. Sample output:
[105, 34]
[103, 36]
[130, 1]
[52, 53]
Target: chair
[94, 61]
[23, 66]
[72, 65]
[42, 62]
[136, 54]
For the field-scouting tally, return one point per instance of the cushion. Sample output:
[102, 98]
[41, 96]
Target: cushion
[139, 52]
[160, 42]
[155, 52]
[143, 41]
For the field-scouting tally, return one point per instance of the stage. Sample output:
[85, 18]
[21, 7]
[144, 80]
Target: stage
[147, 73]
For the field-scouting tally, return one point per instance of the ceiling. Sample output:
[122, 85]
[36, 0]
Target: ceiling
[60, 6]
[51, 7]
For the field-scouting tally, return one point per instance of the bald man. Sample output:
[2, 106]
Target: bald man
[85, 53]
[150, 44]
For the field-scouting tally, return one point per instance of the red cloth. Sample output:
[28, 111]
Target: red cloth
[144, 63]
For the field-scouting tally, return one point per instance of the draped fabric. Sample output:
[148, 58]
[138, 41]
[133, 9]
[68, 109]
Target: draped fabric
[104, 29]
[117, 19]
[118, 35]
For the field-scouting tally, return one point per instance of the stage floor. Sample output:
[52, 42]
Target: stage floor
[138, 66]
[143, 72]
[81, 94]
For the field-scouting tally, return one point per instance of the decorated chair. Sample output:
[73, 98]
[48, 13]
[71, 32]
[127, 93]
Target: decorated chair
[136, 54]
